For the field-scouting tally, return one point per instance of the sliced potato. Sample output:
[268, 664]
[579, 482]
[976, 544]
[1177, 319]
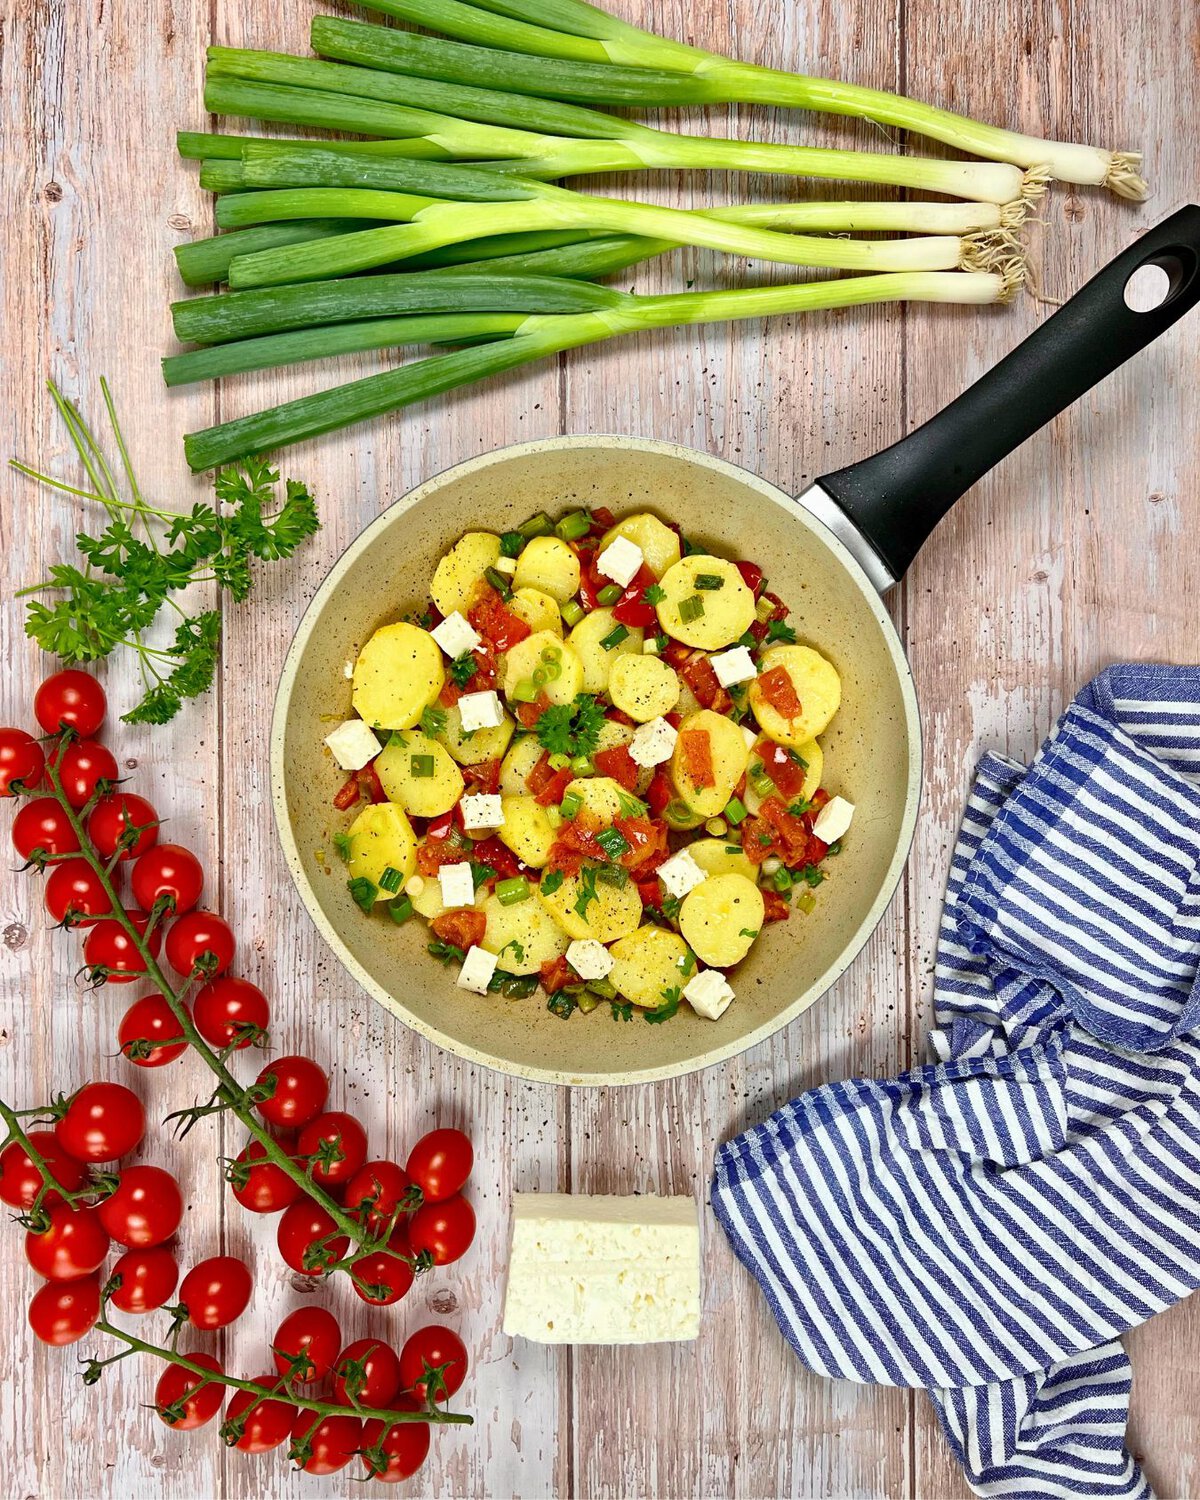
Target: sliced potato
[542, 649]
[548, 564]
[523, 754]
[659, 544]
[729, 756]
[527, 830]
[422, 796]
[459, 577]
[598, 661]
[649, 961]
[728, 610]
[523, 936]
[397, 676]
[538, 610]
[644, 687]
[600, 795]
[613, 912]
[613, 733]
[813, 757]
[721, 857]
[816, 684]
[721, 918]
[472, 748]
[381, 838]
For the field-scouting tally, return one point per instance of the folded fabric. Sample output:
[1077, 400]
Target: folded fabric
[986, 1226]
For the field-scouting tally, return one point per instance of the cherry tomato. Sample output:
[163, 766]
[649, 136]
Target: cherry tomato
[147, 1033]
[260, 1185]
[307, 1341]
[300, 1089]
[216, 1291]
[367, 1373]
[70, 699]
[376, 1192]
[433, 1363]
[73, 1244]
[122, 821]
[442, 1232]
[103, 1121]
[384, 1279]
[42, 828]
[301, 1226]
[146, 1208]
[338, 1142]
[82, 766]
[61, 1312]
[395, 1452]
[167, 873]
[256, 1426]
[21, 1181]
[323, 1445]
[440, 1164]
[74, 895]
[147, 1277]
[182, 1401]
[228, 1008]
[200, 942]
[110, 954]
[22, 761]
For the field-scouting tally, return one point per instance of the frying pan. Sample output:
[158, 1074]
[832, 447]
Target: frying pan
[830, 554]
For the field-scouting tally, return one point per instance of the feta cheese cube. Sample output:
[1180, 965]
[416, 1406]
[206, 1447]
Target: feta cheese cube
[750, 736]
[353, 744]
[652, 743]
[709, 994]
[477, 970]
[833, 820]
[734, 665]
[482, 810]
[456, 636]
[620, 561]
[589, 958]
[681, 874]
[505, 565]
[481, 710]
[458, 885]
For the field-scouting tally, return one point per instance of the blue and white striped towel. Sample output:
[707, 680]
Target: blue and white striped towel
[987, 1226]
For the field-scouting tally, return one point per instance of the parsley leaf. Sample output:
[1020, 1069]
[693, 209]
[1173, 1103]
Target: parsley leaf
[587, 891]
[571, 728]
[780, 630]
[551, 882]
[363, 892]
[622, 1012]
[433, 721]
[462, 669]
[446, 951]
[667, 1009]
[655, 594]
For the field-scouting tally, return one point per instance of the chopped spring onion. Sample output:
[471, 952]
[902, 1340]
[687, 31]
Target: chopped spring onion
[499, 582]
[782, 879]
[806, 902]
[559, 762]
[391, 880]
[613, 842]
[573, 526]
[572, 612]
[539, 525]
[609, 594]
[570, 805]
[582, 766]
[677, 813]
[524, 692]
[735, 812]
[512, 891]
[400, 910]
[710, 582]
[615, 636]
[421, 766]
[520, 986]
[691, 608]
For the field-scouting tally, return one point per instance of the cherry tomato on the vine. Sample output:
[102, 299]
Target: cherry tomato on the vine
[216, 1291]
[41, 828]
[339, 1144]
[229, 1011]
[21, 1181]
[74, 894]
[22, 761]
[61, 1312]
[433, 1363]
[307, 1343]
[254, 1425]
[440, 1164]
[200, 942]
[111, 956]
[323, 1445]
[122, 821]
[72, 700]
[73, 1244]
[150, 1034]
[375, 1193]
[382, 1278]
[367, 1373]
[302, 1225]
[260, 1185]
[300, 1089]
[395, 1452]
[146, 1208]
[167, 873]
[147, 1279]
[102, 1122]
[180, 1398]
[82, 765]
[442, 1231]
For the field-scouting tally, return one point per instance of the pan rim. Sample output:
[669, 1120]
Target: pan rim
[297, 868]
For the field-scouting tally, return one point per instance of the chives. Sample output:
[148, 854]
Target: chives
[571, 805]
[539, 525]
[613, 639]
[735, 811]
[709, 581]
[691, 608]
[609, 594]
[572, 612]
[613, 842]
[574, 526]
[421, 766]
[512, 891]
[582, 765]
[400, 910]
[524, 692]
[391, 880]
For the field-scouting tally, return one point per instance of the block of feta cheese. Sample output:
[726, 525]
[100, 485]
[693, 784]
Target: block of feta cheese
[477, 970]
[455, 635]
[480, 711]
[620, 561]
[734, 666]
[505, 565]
[482, 810]
[458, 884]
[680, 874]
[603, 1270]
[353, 744]
[590, 959]
[750, 736]
[709, 994]
[652, 743]
[833, 820]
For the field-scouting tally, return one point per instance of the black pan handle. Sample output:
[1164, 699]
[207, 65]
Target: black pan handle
[896, 498]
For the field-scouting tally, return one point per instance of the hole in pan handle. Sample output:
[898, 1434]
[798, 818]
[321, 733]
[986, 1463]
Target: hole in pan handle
[894, 500]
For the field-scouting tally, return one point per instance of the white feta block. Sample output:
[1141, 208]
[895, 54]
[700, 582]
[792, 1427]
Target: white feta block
[603, 1270]
[482, 810]
[734, 666]
[833, 820]
[353, 744]
[481, 710]
[477, 970]
[652, 743]
[590, 958]
[620, 561]
[681, 874]
[709, 994]
[456, 635]
[458, 885]
[749, 735]
[505, 565]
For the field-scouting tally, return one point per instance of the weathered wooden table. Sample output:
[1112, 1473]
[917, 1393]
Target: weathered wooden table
[1080, 550]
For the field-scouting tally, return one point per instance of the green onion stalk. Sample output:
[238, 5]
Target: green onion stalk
[568, 49]
[542, 334]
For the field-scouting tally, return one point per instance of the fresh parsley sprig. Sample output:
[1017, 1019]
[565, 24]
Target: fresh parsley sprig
[571, 728]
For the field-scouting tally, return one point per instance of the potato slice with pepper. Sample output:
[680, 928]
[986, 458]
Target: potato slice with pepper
[707, 763]
[659, 544]
[795, 694]
[548, 564]
[705, 602]
[538, 610]
[543, 652]
[527, 830]
[721, 918]
[519, 761]
[380, 839]
[648, 962]
[459, 577]
[397, 676]
[523, 936]
[419, 774]
[586, 906]
[721, 857]
[598, 660]
[644, 687]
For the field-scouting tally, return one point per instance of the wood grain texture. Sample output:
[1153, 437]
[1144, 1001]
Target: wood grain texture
[1076, 552]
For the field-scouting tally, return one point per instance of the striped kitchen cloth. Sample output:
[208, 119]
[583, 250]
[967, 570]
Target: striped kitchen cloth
[987, 1226]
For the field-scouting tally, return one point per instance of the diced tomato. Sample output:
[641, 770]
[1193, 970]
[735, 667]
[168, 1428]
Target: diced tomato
[619, 764]
[631, 608]
[483, 777]
[577, 842]
[556, 975]
[787, 773]
[495, 622]
[793, 838]
[491, 851]
[369, 780]
[651, 893]
[780, 612]
[529, 713]
[619, 716]
[752, 576]
[485, 676]
[695, 750]
[547, 785]
[758, 840]
[440, 827]
[463, 928]
[647, 843]
[675, 654]
[443, 844]
[775, 908]
[659, 793]
[700, 676]
[602, 520]
[348, 794]
[590, 582]
[776, 688]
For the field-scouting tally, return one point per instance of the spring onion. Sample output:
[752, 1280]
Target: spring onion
[582, 766]
[615, 636]
[709, 581]
[691, 608]
[524, 692]
[572, 611]
[609, 594]
[391, 880]
[559, 762]
[735, 812]
[613, 842]
[570, 805]
[421, 766]
[539, 525]
[400, 910]
[510, 892]
[573, 526]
